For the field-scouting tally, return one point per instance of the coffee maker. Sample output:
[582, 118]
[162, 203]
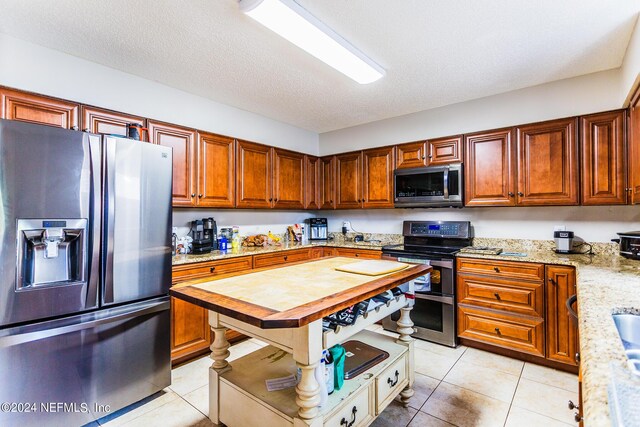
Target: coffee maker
[211, 232]
[200, 244]
[317, 228]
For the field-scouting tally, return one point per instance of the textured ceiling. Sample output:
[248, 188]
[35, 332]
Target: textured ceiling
[435, 52]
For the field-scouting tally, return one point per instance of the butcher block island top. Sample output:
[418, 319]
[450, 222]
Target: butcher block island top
[294, 295]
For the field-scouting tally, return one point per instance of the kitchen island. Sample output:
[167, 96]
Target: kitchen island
[284, 307]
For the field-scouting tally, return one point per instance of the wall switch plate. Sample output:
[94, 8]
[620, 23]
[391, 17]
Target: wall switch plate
[559, 228]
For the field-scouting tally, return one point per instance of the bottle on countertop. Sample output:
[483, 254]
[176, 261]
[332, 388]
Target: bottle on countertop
[222, 243]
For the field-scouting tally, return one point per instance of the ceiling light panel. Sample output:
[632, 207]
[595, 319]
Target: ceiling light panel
[294, 23]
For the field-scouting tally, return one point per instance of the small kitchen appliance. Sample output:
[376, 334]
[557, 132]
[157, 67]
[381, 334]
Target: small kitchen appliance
[210, 232]
[200, 245]
[135, 130]
[433, 243]
[317, 228]
[564, 241]
[629, 244]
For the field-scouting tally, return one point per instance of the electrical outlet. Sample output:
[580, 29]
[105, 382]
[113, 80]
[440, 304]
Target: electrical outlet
[346, 224]
[559, 228]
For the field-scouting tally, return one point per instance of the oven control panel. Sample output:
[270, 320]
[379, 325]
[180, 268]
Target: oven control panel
[453, 229]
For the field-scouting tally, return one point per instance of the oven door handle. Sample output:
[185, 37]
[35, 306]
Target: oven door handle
[436, 298]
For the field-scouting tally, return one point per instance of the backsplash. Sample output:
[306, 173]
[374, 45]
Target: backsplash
[375, 238]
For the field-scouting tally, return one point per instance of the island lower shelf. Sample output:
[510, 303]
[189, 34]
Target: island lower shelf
[244, 398]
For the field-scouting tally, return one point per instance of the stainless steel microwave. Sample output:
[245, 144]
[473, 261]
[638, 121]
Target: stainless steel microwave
[432, 186]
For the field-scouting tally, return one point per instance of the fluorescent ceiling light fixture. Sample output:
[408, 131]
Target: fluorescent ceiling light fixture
[291, 21]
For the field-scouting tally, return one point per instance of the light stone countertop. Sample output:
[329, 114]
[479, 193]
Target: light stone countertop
[606, 284]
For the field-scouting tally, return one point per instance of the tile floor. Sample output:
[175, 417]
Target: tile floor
[460, 387]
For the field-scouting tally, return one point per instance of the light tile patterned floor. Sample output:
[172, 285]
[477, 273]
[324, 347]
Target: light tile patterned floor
[460, 387]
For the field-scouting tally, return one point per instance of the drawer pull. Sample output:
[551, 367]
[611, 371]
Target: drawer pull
[286, 257]
[353, 418]
[496, 269]
[497, 295]
[357, 255]
[497, 331]
[392, 383]
[212, 269]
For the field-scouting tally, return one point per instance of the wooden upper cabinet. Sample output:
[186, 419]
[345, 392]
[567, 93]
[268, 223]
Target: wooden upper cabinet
[183, 142]
[377, 168]
[27, 107]
[604, 180]
[216, 171]
[288, 179]
[443, 151]
[633, 153]
[312, 183]
[489, 180]
[561, 332]
[253, 175]
[411, 155]
[547, 155]
[97, 120]
[349, 180]
[327, 182]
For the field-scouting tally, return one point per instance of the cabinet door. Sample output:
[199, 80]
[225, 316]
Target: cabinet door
[634, 149]
[349, 180]
[411, 155]
[603, 164]
[190, 332]
[489, 179]
[288, 179]
[561, 332]
[328, 182]
[377, 167]
[27, 107]
[312, 167]
[547, 163]
[443, 151]
[183, 142]
[216, 171]
[97, 120]
[253, 176]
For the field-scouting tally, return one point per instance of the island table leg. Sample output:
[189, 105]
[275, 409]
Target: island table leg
[405, 329]
[219, 354]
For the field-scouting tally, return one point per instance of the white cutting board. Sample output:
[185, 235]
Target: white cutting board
[373, 267]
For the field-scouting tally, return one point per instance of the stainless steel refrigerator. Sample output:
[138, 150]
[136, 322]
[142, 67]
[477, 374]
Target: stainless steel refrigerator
[85, 270]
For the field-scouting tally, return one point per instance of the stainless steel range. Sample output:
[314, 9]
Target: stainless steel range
[434, 243]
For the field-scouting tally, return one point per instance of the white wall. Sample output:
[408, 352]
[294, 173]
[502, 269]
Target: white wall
[564, 98]
[592, 223]
[630, 69]
[27, 66]
[249, 221]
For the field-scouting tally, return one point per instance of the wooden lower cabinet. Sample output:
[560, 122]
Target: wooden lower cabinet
[281, 257]
[358, 253]
[190, 332]
[562, 334]
[518, 308]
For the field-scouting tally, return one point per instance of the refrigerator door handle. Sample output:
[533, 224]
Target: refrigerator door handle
[26, 337]
[109, 219]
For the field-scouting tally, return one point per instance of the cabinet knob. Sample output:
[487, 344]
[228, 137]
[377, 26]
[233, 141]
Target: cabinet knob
[511, 194]
[212, 269]
[430, 156]
[496, 269]
[423, 157]
[572, 405]
[286, 257]
[497, 331]
[577, 417]
[86, 129]
[520, 193]
[357, 255]
[331, 201]
[271, 199]
[578, 357]
[193, 194]
[553, 282]
[497, 295]
[275, 200]
[200, 195]
[74, 127]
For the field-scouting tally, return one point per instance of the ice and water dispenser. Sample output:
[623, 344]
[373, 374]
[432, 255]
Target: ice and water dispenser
[51, 252]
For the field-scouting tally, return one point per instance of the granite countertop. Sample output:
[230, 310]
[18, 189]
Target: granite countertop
[606, 284]
[247, 251]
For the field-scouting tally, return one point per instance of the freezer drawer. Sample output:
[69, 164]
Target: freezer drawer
[69, 370]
